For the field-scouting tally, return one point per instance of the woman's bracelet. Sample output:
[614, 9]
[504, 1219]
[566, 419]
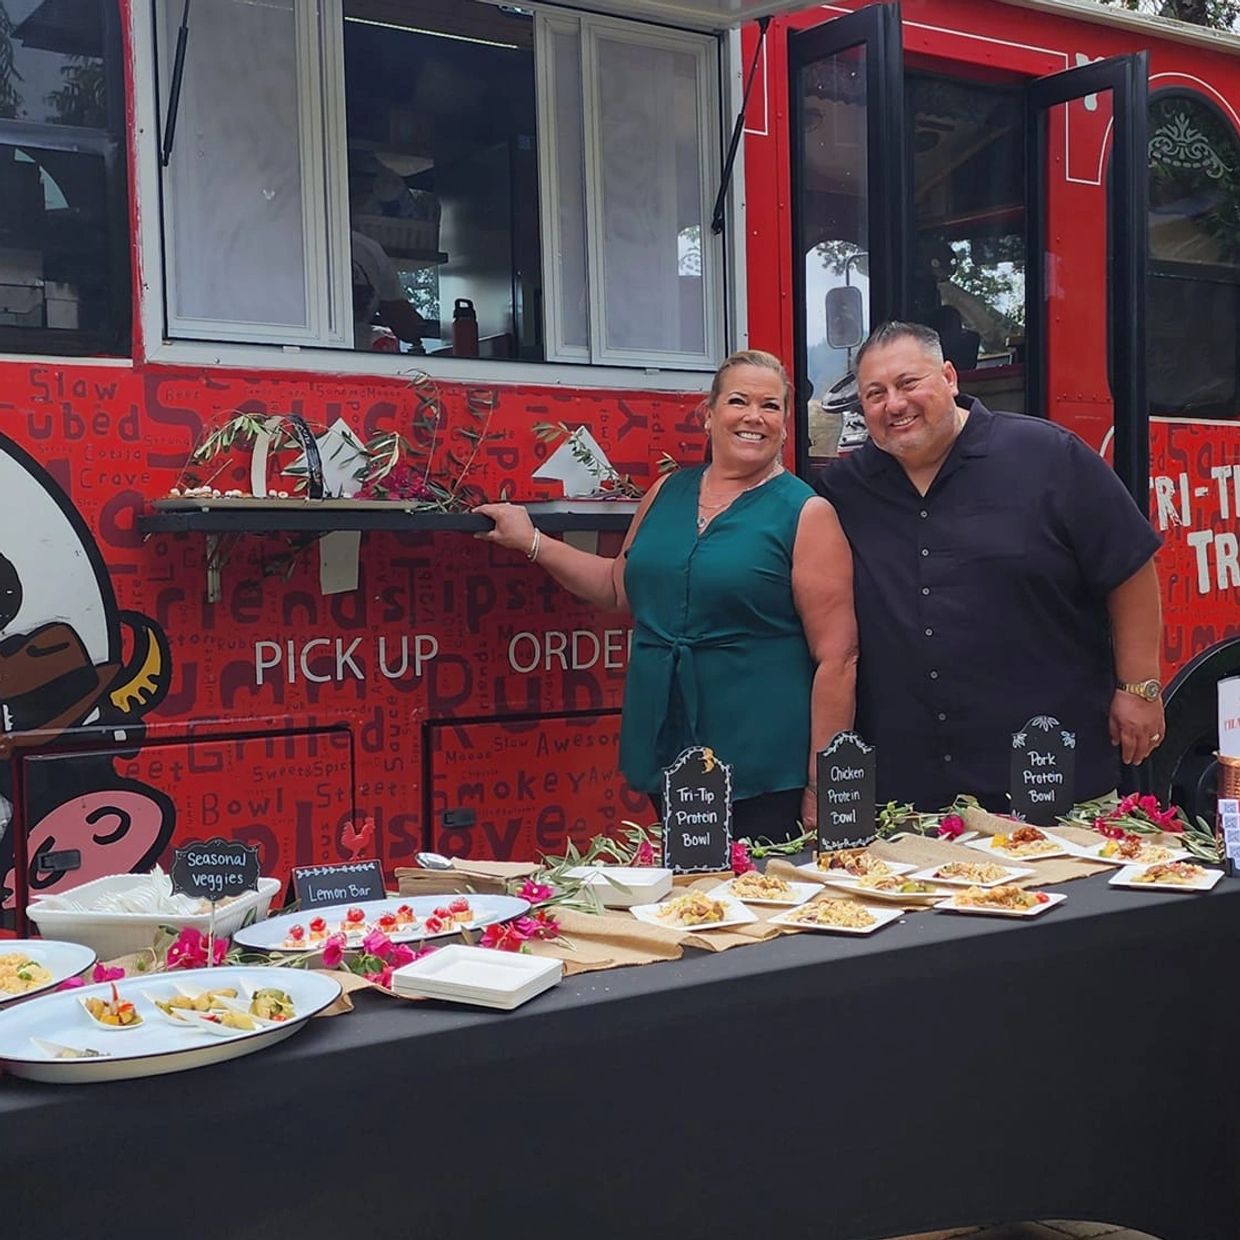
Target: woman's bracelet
[532, 553]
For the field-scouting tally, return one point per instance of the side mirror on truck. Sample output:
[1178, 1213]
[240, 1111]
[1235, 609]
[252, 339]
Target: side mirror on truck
[845, 317]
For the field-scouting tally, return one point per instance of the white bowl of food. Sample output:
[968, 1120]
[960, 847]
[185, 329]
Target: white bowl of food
[123, 913]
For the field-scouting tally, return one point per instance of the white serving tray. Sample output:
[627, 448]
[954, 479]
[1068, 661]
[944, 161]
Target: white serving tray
[478, 975]
[1128, 875]
[619, 886]
[118, 934]
[62, 960]
[269, 935]
[1010, 874]
[157, 1046]
[882, 917]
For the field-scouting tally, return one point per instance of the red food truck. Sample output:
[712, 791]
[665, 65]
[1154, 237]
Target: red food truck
[467, 249]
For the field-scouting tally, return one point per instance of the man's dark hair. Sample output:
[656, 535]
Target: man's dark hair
[893, 330]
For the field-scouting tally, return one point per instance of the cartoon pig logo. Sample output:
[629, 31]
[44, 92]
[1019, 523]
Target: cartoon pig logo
[72, 666]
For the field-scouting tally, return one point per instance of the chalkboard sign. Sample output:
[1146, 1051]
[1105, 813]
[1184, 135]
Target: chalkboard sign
[846, 793]
[697, 813]
[320, 885]
[215, 869]
[1043, 782]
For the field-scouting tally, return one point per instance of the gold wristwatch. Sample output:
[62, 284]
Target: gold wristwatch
[1150, 690]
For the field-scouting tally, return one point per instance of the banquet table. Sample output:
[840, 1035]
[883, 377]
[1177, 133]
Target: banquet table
[946, 1070]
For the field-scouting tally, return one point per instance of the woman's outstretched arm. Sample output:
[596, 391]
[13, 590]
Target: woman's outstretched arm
[599, 579]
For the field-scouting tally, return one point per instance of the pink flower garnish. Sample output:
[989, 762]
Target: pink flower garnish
[504, 938]
[742, 862]
[400, 955]
[534, 892]
[333, 951]
[541, 926]
[71, 983]
[189, 951]
[105, 973]
[951, 826]
[644, 854]
[382, 978]
[376, 943]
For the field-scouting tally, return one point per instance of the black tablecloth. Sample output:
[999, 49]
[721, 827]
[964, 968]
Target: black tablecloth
[946, 1070]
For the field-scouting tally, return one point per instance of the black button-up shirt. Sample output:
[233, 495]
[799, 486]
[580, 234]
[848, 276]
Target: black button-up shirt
[983, 603]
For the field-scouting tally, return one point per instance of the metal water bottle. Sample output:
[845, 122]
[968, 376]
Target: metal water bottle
[464, 329]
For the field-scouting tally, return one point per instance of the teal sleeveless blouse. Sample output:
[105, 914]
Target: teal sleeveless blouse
[719, 656]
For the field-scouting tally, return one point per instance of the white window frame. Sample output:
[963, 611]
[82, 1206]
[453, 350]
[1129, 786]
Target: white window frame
[243, 349]
[589, 30]
[322, 224]
[546, 25]
[703, 49]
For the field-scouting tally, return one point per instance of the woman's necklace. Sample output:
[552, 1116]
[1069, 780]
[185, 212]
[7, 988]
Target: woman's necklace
[707, 511]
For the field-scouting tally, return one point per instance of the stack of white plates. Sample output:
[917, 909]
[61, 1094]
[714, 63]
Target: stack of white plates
[481, 976]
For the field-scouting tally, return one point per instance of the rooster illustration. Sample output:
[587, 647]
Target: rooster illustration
[355, 840]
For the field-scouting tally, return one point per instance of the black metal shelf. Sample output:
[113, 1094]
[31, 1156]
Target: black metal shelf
[237, 517]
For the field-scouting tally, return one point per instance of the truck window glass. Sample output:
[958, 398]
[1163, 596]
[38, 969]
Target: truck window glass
[64, 285]
[1194, 283]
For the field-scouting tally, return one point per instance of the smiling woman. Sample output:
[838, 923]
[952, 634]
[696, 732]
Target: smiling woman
[740, 585]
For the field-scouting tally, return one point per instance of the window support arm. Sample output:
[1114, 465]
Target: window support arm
[174, 91]
[725, 179]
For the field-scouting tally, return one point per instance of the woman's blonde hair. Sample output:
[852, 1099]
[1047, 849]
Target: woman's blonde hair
[749, 357]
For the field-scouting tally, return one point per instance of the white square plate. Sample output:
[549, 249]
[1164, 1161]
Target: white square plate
[1052, 898]
[1093, 852]
[478, 971]
[811, 867]
[620, 886]
[1010, 874]
[984, 845]
[800, 893]
[882, 917]
[734, 914]
[1128, 875]
[854, 887]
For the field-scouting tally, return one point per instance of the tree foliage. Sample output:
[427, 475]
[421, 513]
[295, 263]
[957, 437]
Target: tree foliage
[10, 100]
[1219, 14]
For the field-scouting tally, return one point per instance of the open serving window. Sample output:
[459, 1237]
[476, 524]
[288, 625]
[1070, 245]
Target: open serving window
[434, 177]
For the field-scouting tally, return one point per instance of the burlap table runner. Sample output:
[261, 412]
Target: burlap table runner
[614, 939]
[609, 940]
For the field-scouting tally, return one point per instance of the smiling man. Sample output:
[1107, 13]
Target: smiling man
[1002, 571]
